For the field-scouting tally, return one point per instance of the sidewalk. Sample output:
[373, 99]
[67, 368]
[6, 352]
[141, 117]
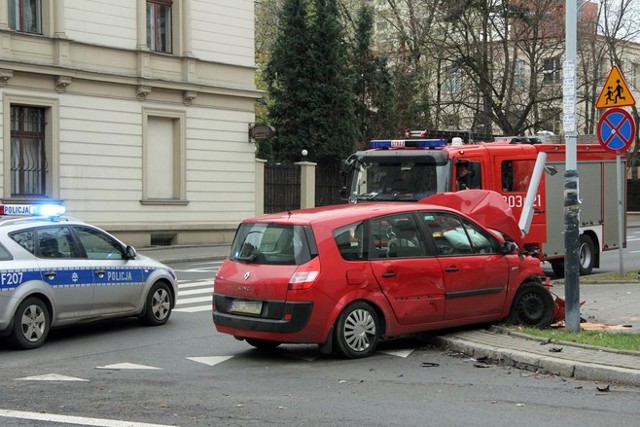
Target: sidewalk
[611, 306]
[556, 358]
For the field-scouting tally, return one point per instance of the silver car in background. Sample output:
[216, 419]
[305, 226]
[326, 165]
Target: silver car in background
[57, 271]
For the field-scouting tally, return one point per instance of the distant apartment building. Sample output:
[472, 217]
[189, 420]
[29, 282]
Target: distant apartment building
[132, 114]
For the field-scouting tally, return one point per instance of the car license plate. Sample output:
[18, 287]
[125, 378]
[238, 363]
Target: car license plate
[246, 307]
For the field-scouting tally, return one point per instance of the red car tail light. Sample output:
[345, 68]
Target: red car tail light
[305, 276]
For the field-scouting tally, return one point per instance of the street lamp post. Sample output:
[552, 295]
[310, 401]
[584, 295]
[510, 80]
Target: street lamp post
[571, 179]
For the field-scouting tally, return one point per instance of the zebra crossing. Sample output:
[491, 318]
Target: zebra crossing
[194, 295]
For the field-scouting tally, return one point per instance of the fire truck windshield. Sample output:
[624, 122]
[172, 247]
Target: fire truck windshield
[400, 175]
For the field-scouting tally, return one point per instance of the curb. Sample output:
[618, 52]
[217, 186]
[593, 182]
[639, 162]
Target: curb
[544, 364]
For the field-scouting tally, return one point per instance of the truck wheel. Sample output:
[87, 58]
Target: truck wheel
[356, 333]
[558, 267]
[31, 324]
[532, 306]
[587, 255]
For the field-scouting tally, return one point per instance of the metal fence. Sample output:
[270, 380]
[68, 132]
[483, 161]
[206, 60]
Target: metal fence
[282, 187]
[328, 184]
[633, 195]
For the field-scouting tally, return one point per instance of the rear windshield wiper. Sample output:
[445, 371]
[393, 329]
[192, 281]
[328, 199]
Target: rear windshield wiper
[248, 258]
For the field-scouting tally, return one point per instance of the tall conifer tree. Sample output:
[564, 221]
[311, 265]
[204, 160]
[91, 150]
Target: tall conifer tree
[333, 130]
[288, 81]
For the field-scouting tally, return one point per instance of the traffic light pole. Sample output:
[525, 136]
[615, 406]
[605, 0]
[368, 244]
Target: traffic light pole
[571, 179]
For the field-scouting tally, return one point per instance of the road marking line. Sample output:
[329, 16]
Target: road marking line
[398, 353]
[50, 377]
[196, 284]
[193, 300]
[124, 366]
[196, 309]
[210, 361]
[182, 293]
[70, 419]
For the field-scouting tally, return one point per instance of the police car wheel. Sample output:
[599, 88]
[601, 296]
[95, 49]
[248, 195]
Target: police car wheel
[158, 307]
[31, 324]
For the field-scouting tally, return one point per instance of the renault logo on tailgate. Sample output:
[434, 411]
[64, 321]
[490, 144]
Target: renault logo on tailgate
[247, 275]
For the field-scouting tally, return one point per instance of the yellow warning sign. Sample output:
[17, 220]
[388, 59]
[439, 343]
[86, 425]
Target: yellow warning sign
[615, 92]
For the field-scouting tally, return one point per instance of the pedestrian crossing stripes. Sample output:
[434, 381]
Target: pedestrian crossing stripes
[194, 297]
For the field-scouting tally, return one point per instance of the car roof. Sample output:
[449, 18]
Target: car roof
[17, 222]
[345, 214]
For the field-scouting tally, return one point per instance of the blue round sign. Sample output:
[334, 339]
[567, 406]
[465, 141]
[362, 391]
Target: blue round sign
[616, 130]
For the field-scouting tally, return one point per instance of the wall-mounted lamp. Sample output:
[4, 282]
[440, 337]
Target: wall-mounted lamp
[258, 132]
[61, 83]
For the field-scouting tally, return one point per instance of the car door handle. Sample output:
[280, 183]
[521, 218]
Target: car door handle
[50, 275]
[389, 274]
[451, 269]
[100, 273]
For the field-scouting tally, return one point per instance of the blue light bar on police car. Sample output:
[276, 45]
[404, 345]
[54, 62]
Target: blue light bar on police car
[32, 210]
[407, 143]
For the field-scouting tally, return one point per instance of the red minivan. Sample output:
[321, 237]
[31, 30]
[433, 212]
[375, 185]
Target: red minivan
[347, 276]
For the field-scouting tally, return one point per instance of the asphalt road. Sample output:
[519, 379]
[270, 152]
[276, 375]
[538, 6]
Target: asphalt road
[184, 373]
[610, 260]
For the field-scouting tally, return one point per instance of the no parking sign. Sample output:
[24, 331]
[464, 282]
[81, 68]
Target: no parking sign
[616, 130]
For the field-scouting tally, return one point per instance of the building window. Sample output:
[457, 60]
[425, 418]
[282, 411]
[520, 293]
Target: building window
[28, 154]
[552, 120]
[520, 74]
[26, 16]
[552, 71]
[634, 75]
[164, 157]
[159, 25]
[453, 80]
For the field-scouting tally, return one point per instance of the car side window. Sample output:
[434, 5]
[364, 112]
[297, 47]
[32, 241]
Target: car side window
[350, 242]
[4, 254]
[468, 175]
[55, 242]
[98, 245]
[25, 239]
[47, 242]
[454, 235]
[397, 236]
[516, 175]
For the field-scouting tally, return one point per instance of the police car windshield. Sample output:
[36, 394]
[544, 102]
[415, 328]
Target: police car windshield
[401, 178]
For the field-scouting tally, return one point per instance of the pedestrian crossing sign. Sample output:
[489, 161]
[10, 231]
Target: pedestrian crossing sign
[615, 92]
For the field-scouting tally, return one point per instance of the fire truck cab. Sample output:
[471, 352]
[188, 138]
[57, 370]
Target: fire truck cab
[412, 169]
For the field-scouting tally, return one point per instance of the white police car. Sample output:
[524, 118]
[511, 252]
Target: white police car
[57, 271]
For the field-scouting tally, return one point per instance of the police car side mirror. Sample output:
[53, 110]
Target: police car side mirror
[130, 252]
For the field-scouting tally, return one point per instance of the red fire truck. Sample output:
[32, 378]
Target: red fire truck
[411, 169]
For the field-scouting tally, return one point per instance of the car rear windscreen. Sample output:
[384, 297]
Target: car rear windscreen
[267, 243]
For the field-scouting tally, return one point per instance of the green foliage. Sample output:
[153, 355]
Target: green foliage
[610, 277]
[288, 80]
[310, 101]
[373, 83]
[333, 129]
